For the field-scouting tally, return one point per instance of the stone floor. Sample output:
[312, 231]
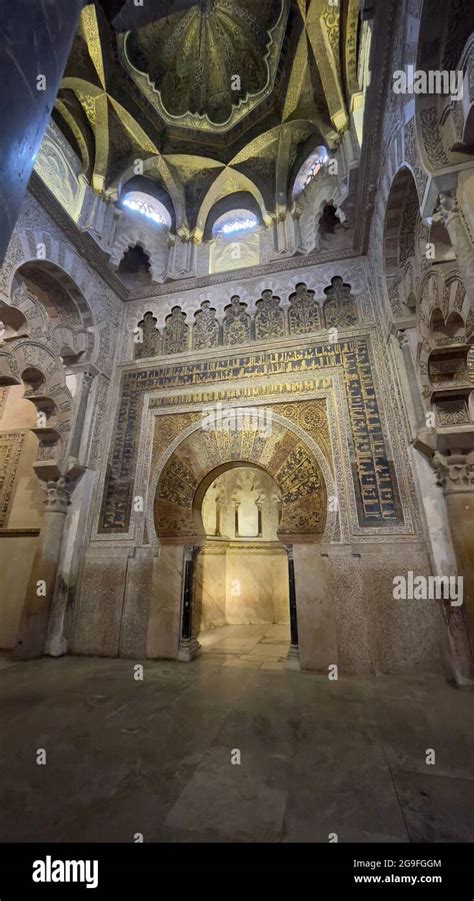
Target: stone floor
[262, 646]
[155, 756]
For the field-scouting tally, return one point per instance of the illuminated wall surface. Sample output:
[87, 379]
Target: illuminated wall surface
[241, 253]
[231, 505]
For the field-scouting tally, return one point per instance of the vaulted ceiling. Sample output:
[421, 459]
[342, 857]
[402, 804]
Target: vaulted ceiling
[215, 96]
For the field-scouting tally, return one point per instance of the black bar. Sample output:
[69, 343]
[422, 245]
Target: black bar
[123, 868]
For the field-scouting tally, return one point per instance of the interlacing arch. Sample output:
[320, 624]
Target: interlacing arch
[41, 372]
[47, 328]
[445, 324]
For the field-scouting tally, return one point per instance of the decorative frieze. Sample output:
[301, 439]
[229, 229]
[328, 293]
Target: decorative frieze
[301, 314]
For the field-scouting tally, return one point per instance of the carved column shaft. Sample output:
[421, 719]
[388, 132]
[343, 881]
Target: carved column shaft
[40, 591]
[418, 408]
[86, 383]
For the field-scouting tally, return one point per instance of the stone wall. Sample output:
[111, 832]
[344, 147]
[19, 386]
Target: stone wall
[240, 584]
[347, 614]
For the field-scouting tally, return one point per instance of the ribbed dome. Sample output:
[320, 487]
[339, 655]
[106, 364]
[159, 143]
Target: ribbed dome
[192, 57]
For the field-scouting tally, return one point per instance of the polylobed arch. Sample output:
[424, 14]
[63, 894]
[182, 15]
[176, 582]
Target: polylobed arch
[42, 373]
[299, 521]
[444, 321]
[47, 335]
[39, 247]
[211, 477]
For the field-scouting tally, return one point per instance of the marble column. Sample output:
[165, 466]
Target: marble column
[34, 622]
[189, 646]
[296, 212]
[415, 396]
[293, 658]
[236, 518]
[36, 40]
[455, 474]
[259, 519]
[88, 376]
[182, 256]
[219, 506]
[56, 642]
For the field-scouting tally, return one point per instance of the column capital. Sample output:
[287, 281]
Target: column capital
[455, 474]
[87, 378]
[190, 551]
[58, 496]
[88, 370]
[402, 338]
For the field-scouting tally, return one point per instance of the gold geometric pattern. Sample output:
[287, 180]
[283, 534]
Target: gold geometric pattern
[277, 449]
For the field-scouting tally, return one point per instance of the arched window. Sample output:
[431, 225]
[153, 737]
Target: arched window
[309, 170]
[234, 223]
[147, 206]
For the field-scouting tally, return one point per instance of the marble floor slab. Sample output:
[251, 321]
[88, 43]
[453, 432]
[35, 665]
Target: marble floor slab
[264, 645]
[231, 747]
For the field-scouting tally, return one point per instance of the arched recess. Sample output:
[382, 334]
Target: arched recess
[50, 329]
[211, 477]
[160, 173]
[153, 188]
[240, 200]
[229, 182]
[57, 260]
[54, 308]
[286, 453]
[241, 573]
[42, 373]
[445, 337]
[403, 237]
